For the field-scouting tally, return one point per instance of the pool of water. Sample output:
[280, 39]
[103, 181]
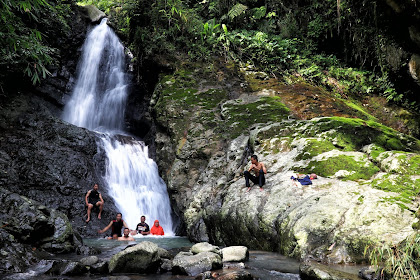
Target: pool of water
[262, 265]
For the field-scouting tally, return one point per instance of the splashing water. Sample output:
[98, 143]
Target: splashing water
[98, 103]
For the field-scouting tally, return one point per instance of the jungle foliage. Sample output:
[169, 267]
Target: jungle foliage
[25, 46]
[350, 47]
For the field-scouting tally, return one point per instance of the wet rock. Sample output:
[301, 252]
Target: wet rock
[316, 271]
[164, 254]
[99, 268]
[73, 269]
[369, 273]
[236, 275]
[32, 223]
[14, 256]
[89, 261]
[50, 161]
[192, 265]
[93, 13]
[141, 258]
[166, 265]
[235, 254]
[68, 268]
[204, 247]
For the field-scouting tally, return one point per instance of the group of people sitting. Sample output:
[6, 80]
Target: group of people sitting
[141, 228]
[94, 199]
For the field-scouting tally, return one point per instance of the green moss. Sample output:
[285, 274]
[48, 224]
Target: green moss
[362, 112]
[314, 147]
[239, 116]
[353, 134]
[362, 169]
[406, 187]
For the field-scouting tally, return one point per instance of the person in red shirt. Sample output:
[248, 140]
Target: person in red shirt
[156, 229]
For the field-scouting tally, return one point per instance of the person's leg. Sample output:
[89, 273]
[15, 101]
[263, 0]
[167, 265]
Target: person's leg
[261, 180]
[101, 206]
[90, 206]
[249, 176]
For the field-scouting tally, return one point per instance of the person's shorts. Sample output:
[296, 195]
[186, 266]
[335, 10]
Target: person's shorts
[93, 202]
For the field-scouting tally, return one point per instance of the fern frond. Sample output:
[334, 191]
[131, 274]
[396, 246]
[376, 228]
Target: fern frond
[237, 10]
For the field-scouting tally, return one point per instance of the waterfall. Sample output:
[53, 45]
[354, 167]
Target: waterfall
[97, 103]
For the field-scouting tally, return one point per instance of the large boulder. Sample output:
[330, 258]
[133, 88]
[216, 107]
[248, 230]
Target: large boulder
[207, 131]
[317, 271]
[204, 247]
[93, 13]
[141, 258]
[33, 223]
[192, 265]
[235, 254]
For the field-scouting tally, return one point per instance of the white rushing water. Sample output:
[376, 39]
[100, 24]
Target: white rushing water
[97, 103]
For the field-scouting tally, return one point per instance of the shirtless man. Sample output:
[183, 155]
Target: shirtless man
[115, 225]
[93, 198]
[126, 236]
[259, 170]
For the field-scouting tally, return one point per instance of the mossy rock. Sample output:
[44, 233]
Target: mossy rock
[239, 115]
[314, 147]
[358, 168]
[407, 187]
[352, 134]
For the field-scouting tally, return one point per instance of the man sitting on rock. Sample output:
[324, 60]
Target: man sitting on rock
[126, 236]
[93, 198]
[259, 170]
[142, 227]
[116, 225]
[156, 229]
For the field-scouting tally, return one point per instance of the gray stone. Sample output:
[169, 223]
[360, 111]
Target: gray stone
[236, 275]
[192, 265]
[235, 254]
[99, 268]
[73, 269]
[94, 13]
[164, 254]
[317, 271]
[166, 265]
[91, 260]
[141, 258]
[204, 247]
[414, 66]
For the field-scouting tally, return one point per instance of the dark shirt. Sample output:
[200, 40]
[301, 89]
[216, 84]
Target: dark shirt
[116, 227]
[142, 227]
[94, 196]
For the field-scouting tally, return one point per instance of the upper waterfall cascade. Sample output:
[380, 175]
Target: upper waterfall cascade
[97, 103]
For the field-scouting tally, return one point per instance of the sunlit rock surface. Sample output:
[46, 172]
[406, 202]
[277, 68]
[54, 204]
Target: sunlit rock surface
[210, 125]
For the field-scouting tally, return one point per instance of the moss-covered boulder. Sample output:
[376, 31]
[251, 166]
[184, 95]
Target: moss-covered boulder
[210, 120]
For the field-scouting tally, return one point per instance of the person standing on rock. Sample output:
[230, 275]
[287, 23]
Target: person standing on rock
[126, 236]
[116, 225]
[157, 229]
[93, 198]
[142, 227]
[258, 168]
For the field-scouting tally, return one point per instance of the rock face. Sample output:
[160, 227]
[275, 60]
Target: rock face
[141, 258]
[50, 161]
[207, 132]
[192, 265]
[29, 229]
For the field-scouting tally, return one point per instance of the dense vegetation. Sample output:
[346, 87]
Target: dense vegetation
[27, 31]
[352, 48]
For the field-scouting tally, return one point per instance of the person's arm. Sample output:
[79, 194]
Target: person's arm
[86, 198]
[100, 197]
[106, 228]
[263, 168]
[251, 167]
[147, 230]
[125, 225]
